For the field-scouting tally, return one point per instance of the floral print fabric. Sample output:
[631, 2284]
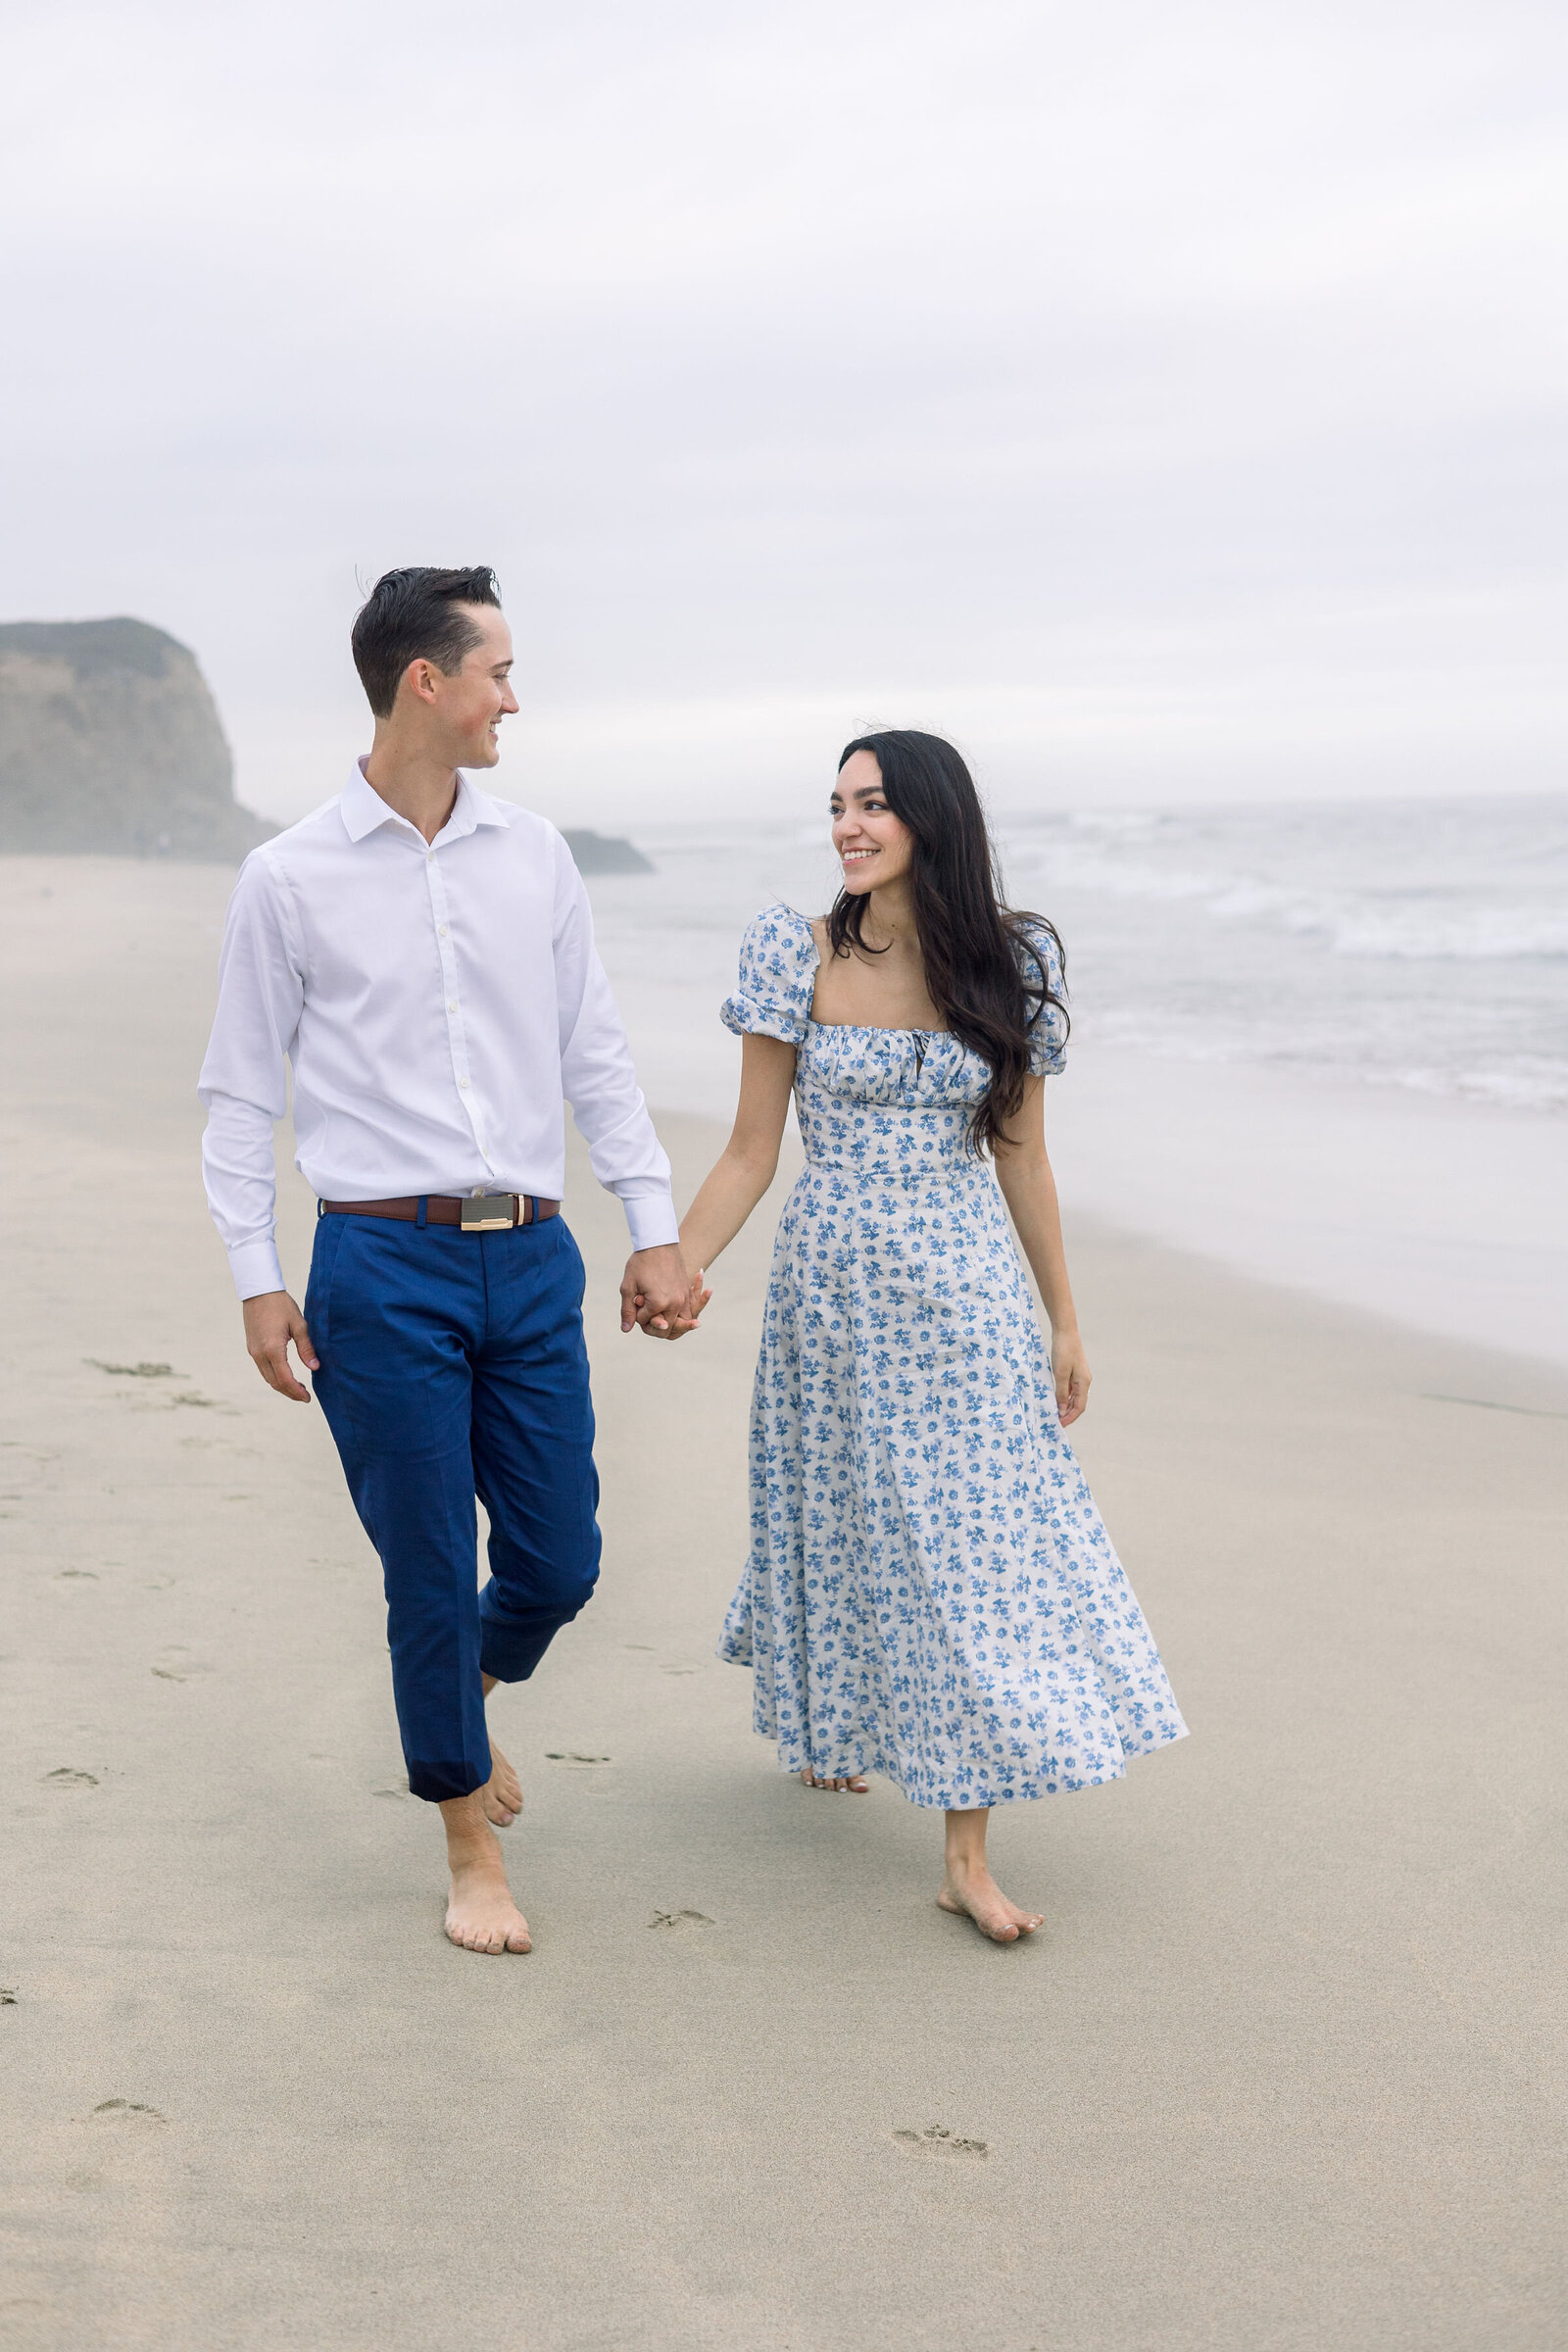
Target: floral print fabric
[931, 1592]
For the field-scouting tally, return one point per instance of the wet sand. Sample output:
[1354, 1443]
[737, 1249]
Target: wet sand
[1283, 2071]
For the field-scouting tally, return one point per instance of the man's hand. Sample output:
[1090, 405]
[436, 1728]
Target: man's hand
[271, 1322]
[657, 1295]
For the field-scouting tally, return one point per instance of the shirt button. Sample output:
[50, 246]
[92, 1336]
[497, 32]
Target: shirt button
[441, 931]
[464, 1083]
[451, 1006]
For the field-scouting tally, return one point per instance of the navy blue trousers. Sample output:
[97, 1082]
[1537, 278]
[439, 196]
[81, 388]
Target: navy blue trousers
[453, 1364]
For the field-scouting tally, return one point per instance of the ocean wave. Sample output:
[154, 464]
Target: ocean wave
[1524, 1082]
[1457, 934]
[1542, 1087]
[1423, 923]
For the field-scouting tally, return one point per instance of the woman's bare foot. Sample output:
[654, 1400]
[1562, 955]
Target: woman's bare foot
[968, 1885]
[481, 1915]
[855, 1785]
[503, 1797]
[975, 1894]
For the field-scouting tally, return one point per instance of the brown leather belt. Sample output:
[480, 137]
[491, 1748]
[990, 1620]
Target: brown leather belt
[482, 1213]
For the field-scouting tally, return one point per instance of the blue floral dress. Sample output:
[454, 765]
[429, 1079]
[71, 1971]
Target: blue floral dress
[931, 1592]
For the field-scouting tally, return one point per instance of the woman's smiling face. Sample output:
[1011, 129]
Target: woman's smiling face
[874, 845]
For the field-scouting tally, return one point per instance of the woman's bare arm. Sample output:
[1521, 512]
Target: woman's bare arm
[749, 1163]
[1029, 1189]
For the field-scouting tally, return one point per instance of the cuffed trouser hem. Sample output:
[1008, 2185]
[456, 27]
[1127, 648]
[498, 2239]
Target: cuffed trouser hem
[440, 1779]
[510, 1651]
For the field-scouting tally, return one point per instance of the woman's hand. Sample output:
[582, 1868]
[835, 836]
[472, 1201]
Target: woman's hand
[674, 1323]
[1070, 1370]
[697, 1297]
[657, 1294]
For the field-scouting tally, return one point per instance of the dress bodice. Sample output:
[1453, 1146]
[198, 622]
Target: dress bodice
[872, 1102]
[886, 1101]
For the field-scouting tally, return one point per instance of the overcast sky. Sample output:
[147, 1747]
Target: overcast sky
[1168, 400]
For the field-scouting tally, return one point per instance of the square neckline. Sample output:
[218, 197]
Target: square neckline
[862, 1028]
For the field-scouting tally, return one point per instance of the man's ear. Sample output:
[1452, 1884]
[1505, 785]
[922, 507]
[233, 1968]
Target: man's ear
[420, 678]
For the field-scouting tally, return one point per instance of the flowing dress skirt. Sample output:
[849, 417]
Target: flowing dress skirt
[931, 1592]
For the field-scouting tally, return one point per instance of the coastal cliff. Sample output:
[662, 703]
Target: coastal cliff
[605, 852]
[111, 742]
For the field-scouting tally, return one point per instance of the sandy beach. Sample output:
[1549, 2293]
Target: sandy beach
[1283, 2071]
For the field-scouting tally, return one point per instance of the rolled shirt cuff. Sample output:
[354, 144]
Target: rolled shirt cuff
[256, 1267]
[651, 1218]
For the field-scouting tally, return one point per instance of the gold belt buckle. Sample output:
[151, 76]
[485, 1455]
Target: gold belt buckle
[490, 1213]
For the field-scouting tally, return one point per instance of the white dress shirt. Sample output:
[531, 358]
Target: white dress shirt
[439, 1005]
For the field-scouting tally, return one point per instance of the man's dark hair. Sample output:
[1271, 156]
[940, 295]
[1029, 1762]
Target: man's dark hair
[416, 616]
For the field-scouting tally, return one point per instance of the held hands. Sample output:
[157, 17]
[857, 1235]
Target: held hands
[271, 1321]
[1069, 1368]
[659, 1297]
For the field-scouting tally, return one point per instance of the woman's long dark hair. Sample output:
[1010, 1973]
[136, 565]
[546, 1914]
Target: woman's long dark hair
[983, 972]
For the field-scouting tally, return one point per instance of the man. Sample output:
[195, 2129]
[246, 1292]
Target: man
[422, 954]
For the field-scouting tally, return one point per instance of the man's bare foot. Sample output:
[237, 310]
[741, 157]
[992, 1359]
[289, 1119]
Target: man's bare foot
[855, 1785]
[974, 1895]
[481, 1915]
[502, 1794]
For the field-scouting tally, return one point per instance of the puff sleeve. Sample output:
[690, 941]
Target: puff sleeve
[777, 973]
[1048, 1039]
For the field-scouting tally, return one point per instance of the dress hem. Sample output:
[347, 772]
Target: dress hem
[946, 1800]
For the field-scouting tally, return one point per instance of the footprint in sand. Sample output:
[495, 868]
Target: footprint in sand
[86, 1576]
[177, 1665]
[392, 1789]
[8, 1996]
[127, 2111]
[937, 2140]
[681, 1919]
[66, 1776]
[136, 1371]
[571, 1755]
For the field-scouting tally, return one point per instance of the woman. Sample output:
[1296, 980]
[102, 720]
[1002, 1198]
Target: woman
[930, 1594]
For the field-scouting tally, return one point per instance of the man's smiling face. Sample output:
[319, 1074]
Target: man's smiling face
[472, 700]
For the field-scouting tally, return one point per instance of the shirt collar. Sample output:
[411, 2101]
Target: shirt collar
[364, 810]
